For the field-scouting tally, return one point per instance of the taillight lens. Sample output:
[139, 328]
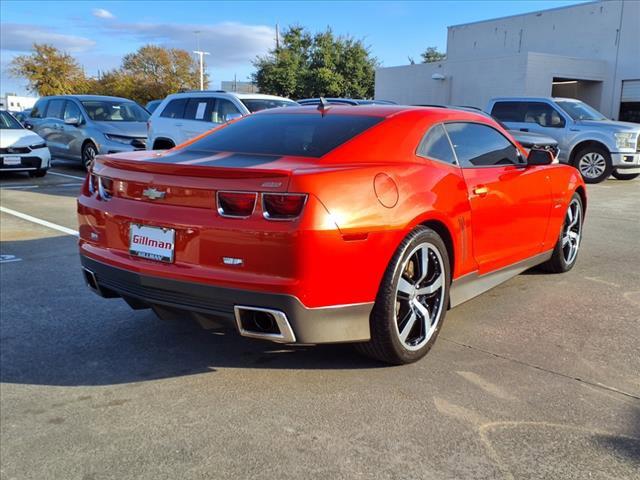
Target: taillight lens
[283, 206]
[92, 183]
[105, 188]
[236, 204]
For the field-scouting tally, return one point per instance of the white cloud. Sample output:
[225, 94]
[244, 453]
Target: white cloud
[102, 13]
[21, 37]
[229, 43]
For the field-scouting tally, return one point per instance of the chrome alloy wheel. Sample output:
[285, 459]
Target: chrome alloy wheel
[419, 296]
[572, 231]
[592, 165]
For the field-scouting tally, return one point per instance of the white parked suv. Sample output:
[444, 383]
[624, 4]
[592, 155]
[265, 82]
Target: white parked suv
[182, 116]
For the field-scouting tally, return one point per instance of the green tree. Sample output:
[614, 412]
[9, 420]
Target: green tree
[151, 73]
[431, 55]
[306, 65]
[50, 71]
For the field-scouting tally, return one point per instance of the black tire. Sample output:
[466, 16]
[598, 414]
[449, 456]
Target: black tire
[559, 263]
[625, 176]
[89, 152]
[39, 173]
[385, 344]
[596, 157]
[163, 144]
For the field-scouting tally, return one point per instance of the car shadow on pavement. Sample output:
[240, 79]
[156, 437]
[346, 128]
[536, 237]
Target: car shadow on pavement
[55, 331]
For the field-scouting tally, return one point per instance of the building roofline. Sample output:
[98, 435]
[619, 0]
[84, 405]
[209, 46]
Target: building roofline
[527, 13]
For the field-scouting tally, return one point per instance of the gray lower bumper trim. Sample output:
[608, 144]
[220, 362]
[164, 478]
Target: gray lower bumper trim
[344, 323]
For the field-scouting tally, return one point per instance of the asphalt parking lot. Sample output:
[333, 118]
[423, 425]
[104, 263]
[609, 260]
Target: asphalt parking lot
[538, 378]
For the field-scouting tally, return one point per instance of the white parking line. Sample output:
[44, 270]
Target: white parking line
[65, 175]
[39, 221]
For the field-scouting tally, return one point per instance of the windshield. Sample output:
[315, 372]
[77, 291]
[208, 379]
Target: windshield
[580, 110]
[285, 134]
[115, 111]
[7, 122]
[257, 104]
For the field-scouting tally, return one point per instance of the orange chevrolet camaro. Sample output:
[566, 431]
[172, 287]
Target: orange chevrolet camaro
[330, 224]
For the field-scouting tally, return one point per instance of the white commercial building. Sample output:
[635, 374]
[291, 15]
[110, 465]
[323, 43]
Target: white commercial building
[589, 51]
[17, 103]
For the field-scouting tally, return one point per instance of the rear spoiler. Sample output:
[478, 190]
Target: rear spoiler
[149, 166]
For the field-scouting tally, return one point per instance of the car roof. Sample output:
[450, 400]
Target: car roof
[223, 93]
[374, 111]
[83, 98]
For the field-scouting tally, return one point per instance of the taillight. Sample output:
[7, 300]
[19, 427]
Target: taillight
[92, 183]
[283, 206]
[236, 204]
[105, 188]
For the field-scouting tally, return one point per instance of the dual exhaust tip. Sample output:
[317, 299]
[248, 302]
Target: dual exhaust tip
[264, 324]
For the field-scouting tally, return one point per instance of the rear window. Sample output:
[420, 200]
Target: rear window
[257, 104]
[306, 135]
[508, 111]
[175, 108]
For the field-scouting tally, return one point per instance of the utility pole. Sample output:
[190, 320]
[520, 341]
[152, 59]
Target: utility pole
[201, 54]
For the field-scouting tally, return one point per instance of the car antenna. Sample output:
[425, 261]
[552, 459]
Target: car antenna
[323, 106]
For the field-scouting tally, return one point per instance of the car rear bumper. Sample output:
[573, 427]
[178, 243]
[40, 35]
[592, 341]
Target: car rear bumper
[333, 324]
[624, 161]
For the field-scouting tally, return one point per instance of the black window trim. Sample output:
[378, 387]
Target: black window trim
[455, 156]
[517, 165]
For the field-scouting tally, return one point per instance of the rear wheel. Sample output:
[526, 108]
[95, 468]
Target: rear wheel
[594, 164]
[565, 253]
[412, 301]
[89, 152]
[624, 176]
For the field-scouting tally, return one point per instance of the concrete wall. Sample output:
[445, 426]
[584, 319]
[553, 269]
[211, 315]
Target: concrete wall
[521, 55]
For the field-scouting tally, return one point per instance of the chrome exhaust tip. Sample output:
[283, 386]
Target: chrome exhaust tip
[91, 281]
[264, 324]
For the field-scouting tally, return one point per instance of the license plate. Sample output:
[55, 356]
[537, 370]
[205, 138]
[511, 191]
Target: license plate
[152, 243]
[12, 160]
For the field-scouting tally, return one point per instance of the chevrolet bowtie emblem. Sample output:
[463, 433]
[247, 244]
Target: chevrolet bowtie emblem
[153, 194]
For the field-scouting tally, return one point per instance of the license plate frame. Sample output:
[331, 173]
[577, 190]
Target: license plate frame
[152, 242]
[12, 160]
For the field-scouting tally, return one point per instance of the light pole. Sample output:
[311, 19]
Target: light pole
[201, 54]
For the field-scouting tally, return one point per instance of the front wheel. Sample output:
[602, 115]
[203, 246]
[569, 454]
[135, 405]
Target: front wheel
[89, 152]
[565, 253]
[412, 301]
[594, 164]
[624, 176]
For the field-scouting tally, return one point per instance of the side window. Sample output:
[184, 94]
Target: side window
[224, 111]
[435, 145]
[508, 111]
[543, 114]
[199, 109]
[71, 110]
[478, 145]
[55, 108]
[38, 109]
[175, 108]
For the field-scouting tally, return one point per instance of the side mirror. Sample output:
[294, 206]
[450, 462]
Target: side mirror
[539, 157]
[233, 116]
[75, 121]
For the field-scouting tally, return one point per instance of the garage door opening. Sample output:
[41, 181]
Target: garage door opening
[589, 91]
[630, 101]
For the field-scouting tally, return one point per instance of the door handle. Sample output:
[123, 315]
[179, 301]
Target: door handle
[480, 191]
[524, 129]
[179, 124]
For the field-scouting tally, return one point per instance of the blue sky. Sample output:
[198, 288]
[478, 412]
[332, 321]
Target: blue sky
[99, 33]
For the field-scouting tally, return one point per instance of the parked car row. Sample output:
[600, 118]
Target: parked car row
[83, 126]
